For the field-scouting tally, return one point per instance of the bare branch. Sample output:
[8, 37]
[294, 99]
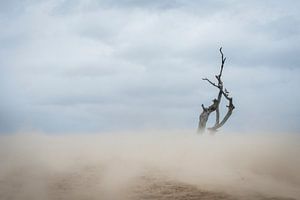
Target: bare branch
[226, 96]
[206, 79]
[217, 110]
[222, 63]
[226, 117]
[203, 108]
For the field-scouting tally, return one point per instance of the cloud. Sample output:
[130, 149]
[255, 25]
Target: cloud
[110, 65]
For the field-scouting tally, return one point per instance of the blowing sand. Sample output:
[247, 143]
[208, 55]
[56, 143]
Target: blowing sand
[149, 165]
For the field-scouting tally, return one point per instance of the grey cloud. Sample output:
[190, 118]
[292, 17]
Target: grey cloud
[283, 27]
[68, 6]
[109, 65]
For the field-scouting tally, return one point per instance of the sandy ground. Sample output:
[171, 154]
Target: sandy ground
[150, 165]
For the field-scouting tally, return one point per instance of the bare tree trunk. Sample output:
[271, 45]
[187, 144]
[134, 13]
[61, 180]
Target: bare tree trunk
[216, 103]
[205, 114]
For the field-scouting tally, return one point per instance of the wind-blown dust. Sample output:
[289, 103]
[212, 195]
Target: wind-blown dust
[149, 165]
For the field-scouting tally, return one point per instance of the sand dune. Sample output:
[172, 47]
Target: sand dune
[149, 165]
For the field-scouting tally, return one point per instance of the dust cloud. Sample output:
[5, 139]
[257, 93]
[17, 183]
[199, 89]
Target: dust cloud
[149, 165]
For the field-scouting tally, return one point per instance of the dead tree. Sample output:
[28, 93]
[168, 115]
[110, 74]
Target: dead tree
[214, 107]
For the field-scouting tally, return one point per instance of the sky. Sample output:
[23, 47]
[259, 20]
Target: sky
[98, 66]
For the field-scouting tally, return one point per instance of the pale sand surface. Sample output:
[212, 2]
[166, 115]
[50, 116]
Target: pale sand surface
[150, 165]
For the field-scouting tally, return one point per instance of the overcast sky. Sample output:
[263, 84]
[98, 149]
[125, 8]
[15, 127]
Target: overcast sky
[96, 66]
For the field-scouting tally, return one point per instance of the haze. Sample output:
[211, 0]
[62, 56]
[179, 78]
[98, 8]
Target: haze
[150, 165]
